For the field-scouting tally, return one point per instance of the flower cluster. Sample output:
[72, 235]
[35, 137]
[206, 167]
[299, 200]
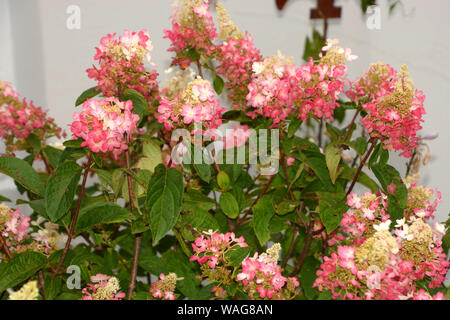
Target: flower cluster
[195, 104]
[262, 279]
[420, 201]
[236, 56]
[19, 119]
[15, 229]
[372, 262]
[104, 124]
[122, 64]
[210, 251]
[14, 226]
[192, 30]
[394, 107]
[29, 291]
[279, 88]
[164, 289]
[48, 235]
[209, 248]
[103, 287]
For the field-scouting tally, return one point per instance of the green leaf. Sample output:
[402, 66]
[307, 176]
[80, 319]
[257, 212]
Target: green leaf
[294, 125]
[194, 199]
[152, 156]
[313, 47]
[164, 199]
[331, 211]
[229, 205]
[348, 174]
[193, 54]
[308, 276]
[61, 190]
[202, 220]
[316, 161]
[236, 255]
[34, 141]
[218, 84]
[204, 171]
[359, 145]
[332, 157]
[52, 287]
[88, 94]
[73, 143]
[53, 155]
[140, 104]
[4, 199]
[23, 173]
[262, 214]
[100, 212]
[20, 268]
[286, 206]
[223, 180]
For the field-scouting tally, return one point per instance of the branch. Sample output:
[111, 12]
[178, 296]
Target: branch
[5, 247]
[48, 167]
[361, 165]
[240, 220]
[349, 128]
[137, 236]
[305, 251]
[75, 216]
[41, 284]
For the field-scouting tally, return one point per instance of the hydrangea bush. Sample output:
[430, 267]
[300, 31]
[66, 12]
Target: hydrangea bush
[140, 204]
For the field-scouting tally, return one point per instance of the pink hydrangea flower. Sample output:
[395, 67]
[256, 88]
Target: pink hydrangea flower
[19, 119]
[122, 65]
[103, 124]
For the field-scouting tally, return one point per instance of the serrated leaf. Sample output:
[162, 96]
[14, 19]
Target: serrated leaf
[61, 189]
[332, 158]
[331, 212]
[140, 104]
[218, 84]
[88, 94]
[201, 220]
[308, 276]
[99, 213]
[294, 125]
[53, 155]
[235, 256]
[204, 171]
[229, 205]
[262, 214]
[20, 268]
[223, 180]
[194, 199]
[22, 173]
[164, 199]
[359, 145]
[4, 199]
[316, 161]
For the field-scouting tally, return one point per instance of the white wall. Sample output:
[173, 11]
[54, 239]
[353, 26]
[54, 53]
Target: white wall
[50, 60]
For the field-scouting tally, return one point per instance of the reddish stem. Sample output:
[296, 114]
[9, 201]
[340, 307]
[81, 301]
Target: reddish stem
[75, 217]
[138, 236]
[361, 165]
[5, 247]
[239, 221]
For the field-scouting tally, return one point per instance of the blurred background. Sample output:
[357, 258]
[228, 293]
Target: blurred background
[45, 59]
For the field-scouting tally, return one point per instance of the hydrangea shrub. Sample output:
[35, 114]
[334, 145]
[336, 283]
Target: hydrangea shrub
[139, 202]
